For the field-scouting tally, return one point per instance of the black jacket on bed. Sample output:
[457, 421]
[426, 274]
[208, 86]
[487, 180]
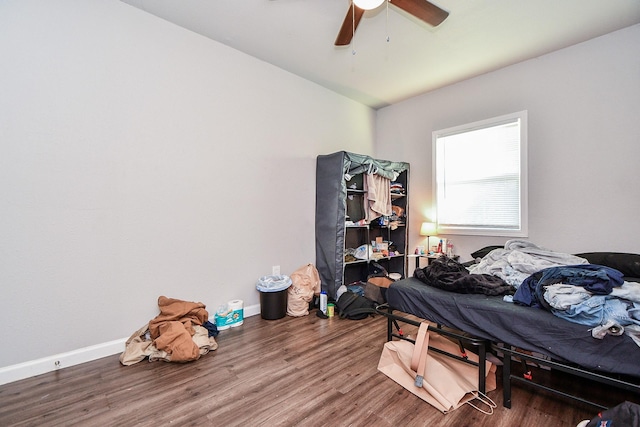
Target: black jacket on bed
[448, 274]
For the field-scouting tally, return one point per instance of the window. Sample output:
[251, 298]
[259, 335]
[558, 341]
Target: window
[480, 177]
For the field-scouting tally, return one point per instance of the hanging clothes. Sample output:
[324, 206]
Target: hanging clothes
[378, 196]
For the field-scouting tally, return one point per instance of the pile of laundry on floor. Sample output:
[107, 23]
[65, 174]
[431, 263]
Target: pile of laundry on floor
[180, 333]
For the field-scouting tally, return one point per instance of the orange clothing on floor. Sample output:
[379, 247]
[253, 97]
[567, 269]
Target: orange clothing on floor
[173, 328]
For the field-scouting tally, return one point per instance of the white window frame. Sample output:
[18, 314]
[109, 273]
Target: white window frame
[437, 176]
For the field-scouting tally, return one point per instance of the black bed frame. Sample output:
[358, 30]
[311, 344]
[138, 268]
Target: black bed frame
[508, 352]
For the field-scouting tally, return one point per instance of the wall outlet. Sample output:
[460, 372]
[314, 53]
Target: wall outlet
[275, 270]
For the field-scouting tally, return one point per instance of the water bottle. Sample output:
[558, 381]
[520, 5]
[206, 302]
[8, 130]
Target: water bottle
[323, 302]
[449, 248]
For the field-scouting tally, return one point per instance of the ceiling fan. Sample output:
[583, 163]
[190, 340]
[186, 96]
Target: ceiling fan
[421, 9]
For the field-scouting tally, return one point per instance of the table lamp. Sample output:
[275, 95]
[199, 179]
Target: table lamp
[428, 229]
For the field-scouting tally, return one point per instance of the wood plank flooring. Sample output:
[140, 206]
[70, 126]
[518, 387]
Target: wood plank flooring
[302, 371]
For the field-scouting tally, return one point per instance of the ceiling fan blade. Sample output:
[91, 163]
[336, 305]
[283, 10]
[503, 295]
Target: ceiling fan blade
[423, 10]
[349, 25]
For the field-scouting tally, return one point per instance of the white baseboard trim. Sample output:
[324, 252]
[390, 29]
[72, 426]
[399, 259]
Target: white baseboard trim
[32, 368]
[251, 310]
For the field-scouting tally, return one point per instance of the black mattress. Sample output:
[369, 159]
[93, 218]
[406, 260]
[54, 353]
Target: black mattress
[532, 329]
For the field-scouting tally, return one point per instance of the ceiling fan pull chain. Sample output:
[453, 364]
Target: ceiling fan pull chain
[353, 28]
[387, 25]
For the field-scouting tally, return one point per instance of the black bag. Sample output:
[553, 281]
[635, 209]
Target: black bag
[377, 270]
[355, 307]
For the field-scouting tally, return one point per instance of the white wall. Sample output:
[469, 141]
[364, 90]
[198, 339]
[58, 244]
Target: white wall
[138, 159]
[584, 147]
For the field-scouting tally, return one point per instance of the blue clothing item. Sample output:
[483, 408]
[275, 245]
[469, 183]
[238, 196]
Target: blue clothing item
[598, 309]
[356, 289]
[628, 290]
[211, 328]
[560, 296]
[597, 279]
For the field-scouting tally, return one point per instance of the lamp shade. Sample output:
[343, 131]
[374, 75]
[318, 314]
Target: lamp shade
[368, 4]
[427, 229]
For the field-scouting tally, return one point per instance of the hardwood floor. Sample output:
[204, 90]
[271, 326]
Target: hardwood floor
[302, 371]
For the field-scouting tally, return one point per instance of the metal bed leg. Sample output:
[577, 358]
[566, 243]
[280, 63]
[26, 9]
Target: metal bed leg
[482, 368]
[390, 321]
[506, 381]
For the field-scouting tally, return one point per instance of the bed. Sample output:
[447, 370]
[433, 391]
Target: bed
[529, 334]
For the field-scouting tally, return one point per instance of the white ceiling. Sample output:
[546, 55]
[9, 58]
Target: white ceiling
[478, 36]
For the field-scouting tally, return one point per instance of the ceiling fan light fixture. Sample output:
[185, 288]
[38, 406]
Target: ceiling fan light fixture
[368, 4]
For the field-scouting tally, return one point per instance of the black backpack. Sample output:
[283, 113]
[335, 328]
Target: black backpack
[355, 307]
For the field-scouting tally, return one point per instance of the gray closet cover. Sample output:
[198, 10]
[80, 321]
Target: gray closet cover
[332, 171]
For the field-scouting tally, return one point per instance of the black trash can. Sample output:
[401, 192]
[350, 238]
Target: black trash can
[273, 296]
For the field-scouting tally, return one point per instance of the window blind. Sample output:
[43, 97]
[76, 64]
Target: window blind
[478, 177]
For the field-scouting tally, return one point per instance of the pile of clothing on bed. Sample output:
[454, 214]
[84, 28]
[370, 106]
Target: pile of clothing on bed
[448, 274]
[499, 272]
[519, 259]
[601, 297]
[593, 295]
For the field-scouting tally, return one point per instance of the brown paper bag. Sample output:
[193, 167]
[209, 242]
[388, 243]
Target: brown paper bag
[305, 282]
[448, 383]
